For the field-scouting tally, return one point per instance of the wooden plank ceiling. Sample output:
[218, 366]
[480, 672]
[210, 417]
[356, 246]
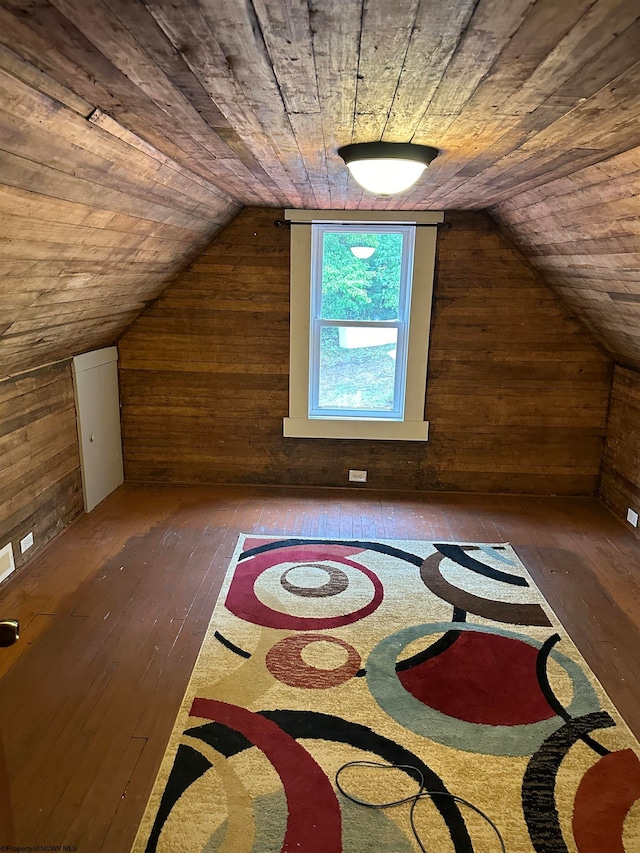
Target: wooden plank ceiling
[131, 131]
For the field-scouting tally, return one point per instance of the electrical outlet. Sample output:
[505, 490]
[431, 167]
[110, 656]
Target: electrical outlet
[357, 476]
[632, 517]
[7, 564]
[26, 543]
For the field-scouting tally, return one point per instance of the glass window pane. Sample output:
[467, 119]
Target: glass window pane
[361, 275]
[357, 368]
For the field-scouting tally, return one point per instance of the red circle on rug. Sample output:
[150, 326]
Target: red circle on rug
[244, 603]
[284, 661]
[606, 793]
[482, 678]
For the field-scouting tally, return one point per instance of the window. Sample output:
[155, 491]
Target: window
[360, 297]
[361, 286]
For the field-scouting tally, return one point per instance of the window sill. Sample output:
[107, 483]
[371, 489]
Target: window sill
[356, 428]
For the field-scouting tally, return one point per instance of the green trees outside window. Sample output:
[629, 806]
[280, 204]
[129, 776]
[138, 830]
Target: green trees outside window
[361, 288]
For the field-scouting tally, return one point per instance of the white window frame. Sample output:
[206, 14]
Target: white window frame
[412, 426]
[401, 324]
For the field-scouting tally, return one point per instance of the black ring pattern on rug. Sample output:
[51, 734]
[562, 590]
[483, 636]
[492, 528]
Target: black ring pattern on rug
[538, 784]
[460, 556]
[231, 646]
[337, 583]
[310, 724]
[498, 611]
[367, 546]
[437, 648]
[188, 766]
[543, 680]
[441, 645]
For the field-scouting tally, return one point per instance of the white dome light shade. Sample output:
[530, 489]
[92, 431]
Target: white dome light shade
[386, 168]
[362, 252]
[386, 177]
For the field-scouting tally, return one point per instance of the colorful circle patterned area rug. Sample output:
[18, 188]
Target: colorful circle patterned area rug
[438, 665]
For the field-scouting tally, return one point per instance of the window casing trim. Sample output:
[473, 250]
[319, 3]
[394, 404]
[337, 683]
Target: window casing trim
[413, 427]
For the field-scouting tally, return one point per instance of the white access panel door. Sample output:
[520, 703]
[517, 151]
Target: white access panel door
[98, 414]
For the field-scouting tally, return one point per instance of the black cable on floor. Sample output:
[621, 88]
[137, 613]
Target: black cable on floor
[414, 799]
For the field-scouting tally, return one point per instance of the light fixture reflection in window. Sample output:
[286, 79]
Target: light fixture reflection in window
[363, 252]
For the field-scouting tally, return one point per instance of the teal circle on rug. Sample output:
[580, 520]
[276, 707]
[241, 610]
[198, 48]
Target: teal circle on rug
[414, 715]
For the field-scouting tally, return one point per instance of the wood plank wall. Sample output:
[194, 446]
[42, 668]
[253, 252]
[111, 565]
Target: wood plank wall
[582, 233]
[94, 221]
[517, 390]
[41, 489]
[620, 484]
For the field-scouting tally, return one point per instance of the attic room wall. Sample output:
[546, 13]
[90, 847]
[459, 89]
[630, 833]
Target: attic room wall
[517, 391]
[620, 485]
[93, 221]
[583, 233]
[39, 460]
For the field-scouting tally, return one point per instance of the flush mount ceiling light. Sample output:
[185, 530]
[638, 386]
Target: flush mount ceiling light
[386, 168]
[363, 252]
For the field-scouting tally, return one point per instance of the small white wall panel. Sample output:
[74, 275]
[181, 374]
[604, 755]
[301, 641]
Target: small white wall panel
[7, 564]
[98, 413]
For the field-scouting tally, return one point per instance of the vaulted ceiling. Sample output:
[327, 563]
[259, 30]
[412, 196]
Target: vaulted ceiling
[131, 131]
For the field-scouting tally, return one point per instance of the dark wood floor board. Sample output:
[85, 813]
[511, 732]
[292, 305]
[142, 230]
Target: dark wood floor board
[119, 767]
[46, 590]
[86, 709]
[165, 683]
[613, 552]
[98, 757]
[564, 570]
[91, 764]
[138, 632]
[574, 588]
[465, 527]
[47, 575]
[367, 517]
[46, 777]
[118, 834]
[123, 821]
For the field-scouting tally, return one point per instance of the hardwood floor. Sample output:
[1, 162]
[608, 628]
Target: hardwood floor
[114, 611]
